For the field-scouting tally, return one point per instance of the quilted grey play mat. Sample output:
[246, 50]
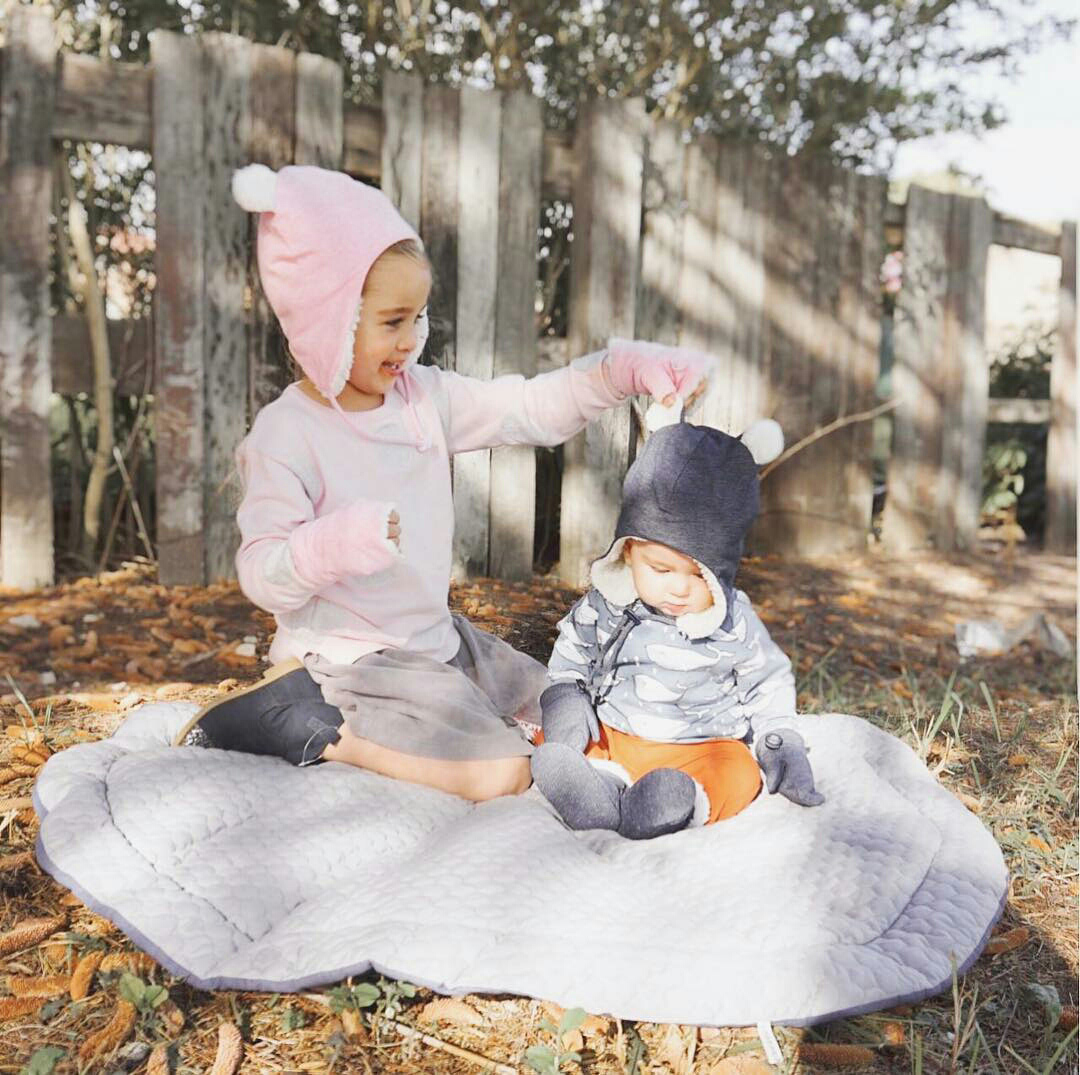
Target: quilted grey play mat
[237, 871]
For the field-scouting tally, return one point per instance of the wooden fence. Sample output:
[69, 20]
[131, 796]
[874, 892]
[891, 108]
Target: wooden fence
[770, 264]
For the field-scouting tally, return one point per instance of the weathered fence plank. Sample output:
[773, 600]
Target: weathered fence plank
[696, 282]
[967, 421]
[227, 74]
[788, 334]
[27, 97]
[664, 207]
[179, 314]
[320, 112]
[103, 102]
[272, 102]
[1061, 470]
[935, 471]
[478, 276]
[402, 143]
[130, 353]
[513, 469]
[603, 288]
[439, 216]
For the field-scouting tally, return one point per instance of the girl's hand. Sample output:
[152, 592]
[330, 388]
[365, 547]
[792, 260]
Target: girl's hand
[665, 373]
[393, 528]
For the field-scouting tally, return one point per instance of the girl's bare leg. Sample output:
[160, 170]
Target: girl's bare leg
[476, 780]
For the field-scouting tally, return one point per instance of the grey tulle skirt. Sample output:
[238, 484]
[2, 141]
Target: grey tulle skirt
[472, 707]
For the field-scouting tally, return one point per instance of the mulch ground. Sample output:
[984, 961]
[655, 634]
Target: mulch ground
[868, 634]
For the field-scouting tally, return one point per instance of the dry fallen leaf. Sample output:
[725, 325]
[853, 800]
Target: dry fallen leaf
[14, 1007]
[1006, 942]
[230, 1050]
[52, 986]
[1017, 761]
[158, 1064]
[30, 932]
[83, 975]
[111, 1036]
[893, 1034]
[450, 1010]
[1039, 844]
[836, 1056]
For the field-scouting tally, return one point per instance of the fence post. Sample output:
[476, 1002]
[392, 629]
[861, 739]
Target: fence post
[273, 98]
[27, 99]
[1061, 439]
[513, 469]
[438, 217]
[227, 123]
[179, 312]
[320, 112]
[609, 147]
[940, 376]
[402, 144]
[478, 155]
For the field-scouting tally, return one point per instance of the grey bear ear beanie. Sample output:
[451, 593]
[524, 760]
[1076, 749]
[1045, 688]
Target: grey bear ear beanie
[696, 490]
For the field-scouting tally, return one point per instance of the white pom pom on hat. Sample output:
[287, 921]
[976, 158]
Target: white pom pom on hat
[765, 439]
[255, 188]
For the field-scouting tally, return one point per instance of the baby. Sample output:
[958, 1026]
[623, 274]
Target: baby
[664, 674]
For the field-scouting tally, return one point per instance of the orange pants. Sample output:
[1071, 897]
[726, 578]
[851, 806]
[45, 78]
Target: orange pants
[725, 768]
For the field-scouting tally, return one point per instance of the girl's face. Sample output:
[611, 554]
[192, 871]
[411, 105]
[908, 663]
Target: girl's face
[395, 295]
[667, 580]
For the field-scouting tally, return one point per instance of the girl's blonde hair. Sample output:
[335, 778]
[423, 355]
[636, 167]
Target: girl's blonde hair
[406, 248]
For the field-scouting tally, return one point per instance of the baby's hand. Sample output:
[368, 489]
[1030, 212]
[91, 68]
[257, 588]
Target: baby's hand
[393, 528]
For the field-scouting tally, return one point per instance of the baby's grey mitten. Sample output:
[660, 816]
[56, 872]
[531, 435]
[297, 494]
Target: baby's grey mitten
[568, 716]
[782, 756]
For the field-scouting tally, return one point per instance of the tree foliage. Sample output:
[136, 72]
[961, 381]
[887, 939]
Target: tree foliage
[850, 78]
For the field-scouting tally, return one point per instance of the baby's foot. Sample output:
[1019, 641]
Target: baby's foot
[660, 802]
[583, 797]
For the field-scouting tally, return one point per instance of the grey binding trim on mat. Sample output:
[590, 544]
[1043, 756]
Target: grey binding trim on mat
[508, 954]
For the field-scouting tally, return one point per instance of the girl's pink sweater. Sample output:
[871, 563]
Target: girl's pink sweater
[303, 460]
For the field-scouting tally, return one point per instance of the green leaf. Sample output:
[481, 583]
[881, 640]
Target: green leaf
[43, 1061]
[1046, 996]
[291, 1019]
[549, 1026]
[571, 1020]
[541, 1059]
[155, 996]
[365, 994]
[132, 989]
[51, 1007]
[408, 990]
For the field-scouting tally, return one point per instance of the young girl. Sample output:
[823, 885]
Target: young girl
[346, 521]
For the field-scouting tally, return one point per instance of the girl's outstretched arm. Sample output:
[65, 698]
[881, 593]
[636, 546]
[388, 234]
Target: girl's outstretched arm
[551, 408]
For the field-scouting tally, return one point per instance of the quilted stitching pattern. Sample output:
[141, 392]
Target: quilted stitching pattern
[245, 872]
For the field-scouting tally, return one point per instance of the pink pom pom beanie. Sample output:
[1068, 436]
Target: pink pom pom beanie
[319, 234]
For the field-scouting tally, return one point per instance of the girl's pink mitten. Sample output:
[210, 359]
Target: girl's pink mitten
[350, 541]
[654, 369]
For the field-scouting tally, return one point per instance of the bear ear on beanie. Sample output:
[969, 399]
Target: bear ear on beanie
[765, 440]
[254, 188]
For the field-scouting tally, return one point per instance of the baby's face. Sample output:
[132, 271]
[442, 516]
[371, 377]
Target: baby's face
[667, 580]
